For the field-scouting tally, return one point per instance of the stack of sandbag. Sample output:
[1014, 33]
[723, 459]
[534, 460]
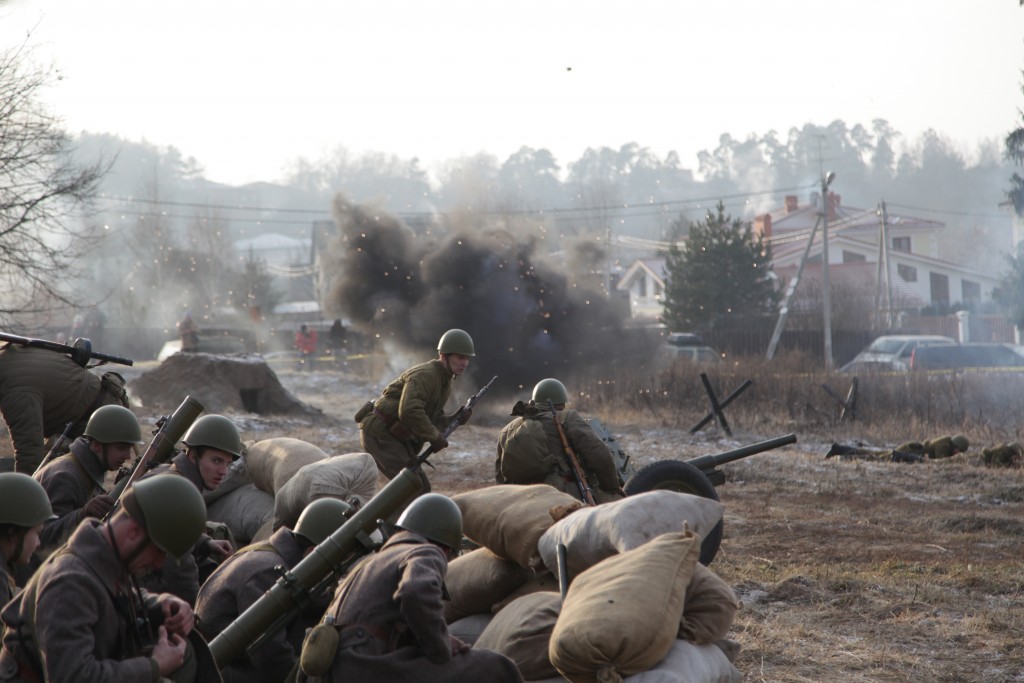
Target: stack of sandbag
[239, 504]
[351, 477]
[272, 462]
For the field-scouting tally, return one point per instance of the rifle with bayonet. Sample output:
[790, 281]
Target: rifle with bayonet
[58, 445]
[578, 475]
[80, 351]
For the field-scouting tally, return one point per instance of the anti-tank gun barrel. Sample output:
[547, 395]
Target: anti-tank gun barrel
[708, 463]
[81, 351]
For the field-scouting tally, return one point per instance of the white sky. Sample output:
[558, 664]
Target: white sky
[247, 86]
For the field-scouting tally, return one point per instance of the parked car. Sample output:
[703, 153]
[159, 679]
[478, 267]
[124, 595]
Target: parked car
[689, 346]
[965, 357]
[893, 352]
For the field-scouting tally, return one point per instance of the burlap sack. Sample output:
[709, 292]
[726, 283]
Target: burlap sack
[468, 629]
[340, 476]
[244, 510]
[620, 617]
[689, 663]
[272, 462]
[509, 519]
[479, 579]
[594, 533]
[522, 632]
[542, 582]
[710, 608]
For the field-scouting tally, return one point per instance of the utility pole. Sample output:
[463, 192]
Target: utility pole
[826, 295]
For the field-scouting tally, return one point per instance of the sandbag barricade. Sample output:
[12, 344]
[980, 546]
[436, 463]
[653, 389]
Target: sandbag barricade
[272, 462]
[522, 632]
[710, 608]
[345, 477]
[244, 510]
[478, 580]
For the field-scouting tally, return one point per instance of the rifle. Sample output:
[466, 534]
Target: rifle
[570, 456]
[456, 420]
[169, 431]
[57, 445]
[81, 351]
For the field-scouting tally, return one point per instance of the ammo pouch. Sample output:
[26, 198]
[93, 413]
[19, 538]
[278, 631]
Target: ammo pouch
[400, 431]
[363, 411]
[319, 650]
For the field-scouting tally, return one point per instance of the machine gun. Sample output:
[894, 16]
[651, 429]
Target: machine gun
[291, 593]
[80, 350]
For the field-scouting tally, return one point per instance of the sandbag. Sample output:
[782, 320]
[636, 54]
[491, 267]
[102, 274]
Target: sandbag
[272, 462]
[508, 519]
[689, 663]
[244, 510]
[710, 608]
[352, 475]
[594, 533]
[468, 629]
[542, 582]
[479, 579]
[621, 616]
[522, 632]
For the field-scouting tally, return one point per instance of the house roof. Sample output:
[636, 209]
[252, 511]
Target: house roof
[655, 267]
[855, 277]
[848, 219]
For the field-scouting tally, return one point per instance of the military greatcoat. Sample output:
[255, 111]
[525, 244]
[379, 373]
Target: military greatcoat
[70, 482]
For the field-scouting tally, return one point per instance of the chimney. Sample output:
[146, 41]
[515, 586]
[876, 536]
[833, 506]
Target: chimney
[763, 226]
[791, 203]
[833, 203]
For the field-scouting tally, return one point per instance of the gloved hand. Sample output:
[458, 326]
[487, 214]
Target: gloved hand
[98, 507]
[439, 443]
[464, 415]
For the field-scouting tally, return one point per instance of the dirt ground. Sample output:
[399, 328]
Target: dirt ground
[847, 571]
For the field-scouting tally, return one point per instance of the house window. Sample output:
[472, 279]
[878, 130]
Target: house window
[940, 289]
[970, 292]
[641, 288]
[853, 257]
[908, 273]
[901, 244]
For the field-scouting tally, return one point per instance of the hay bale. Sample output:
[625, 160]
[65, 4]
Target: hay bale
[272, 462]
[345, 477]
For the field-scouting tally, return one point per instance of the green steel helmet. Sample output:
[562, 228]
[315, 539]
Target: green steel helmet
[456, 341]
[436, 517]
[961, 442]
[171, 509]
[214, 431]
[1014, 446]
[321, 518]
[550, 389]
[23, 500]
[114, 424]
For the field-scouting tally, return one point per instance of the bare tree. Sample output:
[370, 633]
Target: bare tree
[43, 194]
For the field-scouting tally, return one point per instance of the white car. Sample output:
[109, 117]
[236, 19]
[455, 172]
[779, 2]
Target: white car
[893, 352]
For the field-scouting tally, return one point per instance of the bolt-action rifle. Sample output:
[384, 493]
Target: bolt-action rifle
[58, 445]
[351, 540]
[570, 456]
[80, 351]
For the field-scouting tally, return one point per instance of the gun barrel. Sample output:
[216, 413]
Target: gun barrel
[708, 462]
[282, 596]
[60, 348]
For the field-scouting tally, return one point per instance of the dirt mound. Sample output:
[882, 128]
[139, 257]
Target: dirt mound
[237, 383]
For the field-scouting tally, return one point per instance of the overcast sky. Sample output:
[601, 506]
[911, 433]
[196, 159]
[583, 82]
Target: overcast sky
[247, 86]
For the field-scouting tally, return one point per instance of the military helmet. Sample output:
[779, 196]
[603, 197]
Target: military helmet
[436, 517]
[114, 424]
[171, 509]
[961, 442]
[550, 389]
[23, 500]
[1014, 446]
[456, 341]
[214, 431]
[321, 518]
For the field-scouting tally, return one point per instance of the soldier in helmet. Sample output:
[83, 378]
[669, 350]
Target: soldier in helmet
[79, 617]
[388, 614]
[1003, 455]
[530, 450]
[74, 481]
[252, 571]
[912, 451]
[410, 411]
[23, 509]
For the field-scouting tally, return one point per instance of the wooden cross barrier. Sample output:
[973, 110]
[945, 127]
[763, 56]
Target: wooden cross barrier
[847, 406]
[716, 407]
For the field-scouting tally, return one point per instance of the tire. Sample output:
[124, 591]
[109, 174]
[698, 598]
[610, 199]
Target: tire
[676, 475]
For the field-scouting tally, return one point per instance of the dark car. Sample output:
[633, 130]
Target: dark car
[965, 356]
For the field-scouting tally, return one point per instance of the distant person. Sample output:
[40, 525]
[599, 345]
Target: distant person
[305, 343]
[336, 340]
[913, 451]
[94, 325]
[1003, 455]
[189, 332]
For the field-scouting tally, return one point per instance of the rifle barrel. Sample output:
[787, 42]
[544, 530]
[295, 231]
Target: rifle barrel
[60, 348]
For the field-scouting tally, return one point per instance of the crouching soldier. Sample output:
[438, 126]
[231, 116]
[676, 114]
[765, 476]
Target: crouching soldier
[252, 571]
[79, 617]
[1003, 455]
[386, 622]
[23, 509]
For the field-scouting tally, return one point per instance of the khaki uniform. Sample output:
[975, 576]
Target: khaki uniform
[593, 454]
[7, 586]
[934, 449]
[1002, 455]
[75, 620]
[235, 586]
[70, 482]
[408, 414]
[41, 391]
[391, 623]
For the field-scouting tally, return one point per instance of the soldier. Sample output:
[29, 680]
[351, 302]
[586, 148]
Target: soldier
[189, 332]
[252, 571]
[212, 443]
[1003, 455]
[41, 391]
[530, 450]
[410, 411]
[73, 480]
[912, 451]
[79, 618]
[23, 509]
[388, 613]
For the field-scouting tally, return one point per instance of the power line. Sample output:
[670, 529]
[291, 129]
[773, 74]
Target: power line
[949, 212]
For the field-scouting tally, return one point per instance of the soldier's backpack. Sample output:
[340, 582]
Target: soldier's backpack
[524, 454]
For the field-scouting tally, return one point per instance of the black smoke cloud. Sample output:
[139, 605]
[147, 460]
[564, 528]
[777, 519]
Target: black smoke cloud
[528, 319]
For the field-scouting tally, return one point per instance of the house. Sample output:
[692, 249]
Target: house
[644, 283]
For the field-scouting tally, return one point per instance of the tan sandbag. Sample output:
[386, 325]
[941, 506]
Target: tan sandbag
[594, 533]
[710, 608]
[244, 510]
[522, 632]
[689, 663]
[620, 617]
[468, 629]
[352, 475]
[508, 519]
[272, 462]
[479, 579]
[542, 582]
